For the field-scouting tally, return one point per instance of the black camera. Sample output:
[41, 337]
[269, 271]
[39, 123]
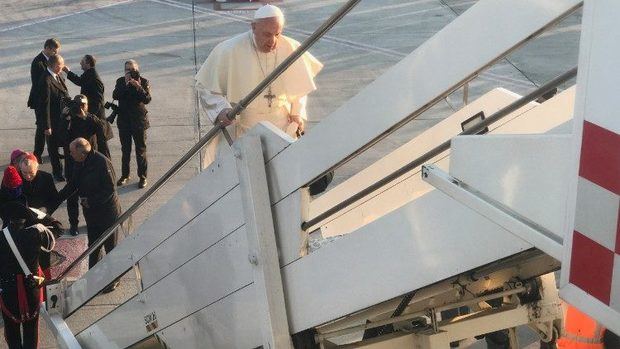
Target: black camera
[114, 107]
[74, 105]
[134, 74]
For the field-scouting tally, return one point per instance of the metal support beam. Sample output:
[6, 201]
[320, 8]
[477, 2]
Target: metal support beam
[498, 213]
[427, 340]
[468, 326]
[64, 337]
[263, 251]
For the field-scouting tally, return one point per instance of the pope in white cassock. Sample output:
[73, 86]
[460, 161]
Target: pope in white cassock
[236, 66]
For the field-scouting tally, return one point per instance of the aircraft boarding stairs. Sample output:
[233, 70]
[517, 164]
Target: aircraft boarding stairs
[224, 263]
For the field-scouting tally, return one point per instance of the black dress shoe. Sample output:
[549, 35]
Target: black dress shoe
[142, 183]
[73, 230]
[59, 178]
[111, 287]
[122, 181]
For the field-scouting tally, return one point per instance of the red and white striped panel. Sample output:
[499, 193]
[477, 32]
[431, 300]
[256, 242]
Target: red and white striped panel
[591, 265]
[595, 256]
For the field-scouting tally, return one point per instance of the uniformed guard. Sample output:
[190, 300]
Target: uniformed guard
[24, 237]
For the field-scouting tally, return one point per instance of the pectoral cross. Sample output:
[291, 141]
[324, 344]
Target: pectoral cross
[269, 96]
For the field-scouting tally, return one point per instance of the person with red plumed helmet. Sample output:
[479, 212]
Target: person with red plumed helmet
[11, 189]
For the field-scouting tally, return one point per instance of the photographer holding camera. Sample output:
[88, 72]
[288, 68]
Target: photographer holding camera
[133, 93]
[78, 123]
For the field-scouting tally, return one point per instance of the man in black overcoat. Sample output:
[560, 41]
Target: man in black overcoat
[50, 102]
[78, 123]
[93, 180]
[38, 67]
[92, 87]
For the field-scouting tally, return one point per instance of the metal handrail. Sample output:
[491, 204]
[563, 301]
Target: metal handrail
[443, 147]
[326, 26]
[442, 96]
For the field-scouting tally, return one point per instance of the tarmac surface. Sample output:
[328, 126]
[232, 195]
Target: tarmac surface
[160, 34]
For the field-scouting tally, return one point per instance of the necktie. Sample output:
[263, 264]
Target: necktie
[61, 82]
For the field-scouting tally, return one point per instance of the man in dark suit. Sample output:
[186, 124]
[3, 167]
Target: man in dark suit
[91, 86]
[52, 94]
[38, 186]
[132, 92]
[93, 180]
[38, 67]
[78, 123]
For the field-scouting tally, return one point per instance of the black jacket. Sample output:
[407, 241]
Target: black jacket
[38, 67]
[91, 128]
[132, 112]
[5, 198]
[28, 242]
[41, 191]
[92, 87]
[93, 179]
[52, 94]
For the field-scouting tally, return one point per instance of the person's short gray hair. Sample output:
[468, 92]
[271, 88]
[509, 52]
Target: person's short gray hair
[55, 59]
[82, 145]
[134, 63]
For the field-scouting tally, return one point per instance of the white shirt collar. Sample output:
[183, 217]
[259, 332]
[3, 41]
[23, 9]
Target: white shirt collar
[44, 55]
[53, 74]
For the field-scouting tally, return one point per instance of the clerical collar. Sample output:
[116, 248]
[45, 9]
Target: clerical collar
[53, 74]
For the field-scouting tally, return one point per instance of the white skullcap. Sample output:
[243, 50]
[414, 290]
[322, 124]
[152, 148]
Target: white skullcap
[269, 11]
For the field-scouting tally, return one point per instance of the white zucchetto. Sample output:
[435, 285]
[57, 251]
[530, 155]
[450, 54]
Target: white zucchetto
[269, 11]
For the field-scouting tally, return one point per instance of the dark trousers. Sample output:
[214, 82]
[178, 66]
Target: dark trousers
[52, 149]
[73, 210]
[139, 139]
[12, 333]
[102, 147]
[102, 142]
[98, 220]
[13, 336]
[39, 143]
